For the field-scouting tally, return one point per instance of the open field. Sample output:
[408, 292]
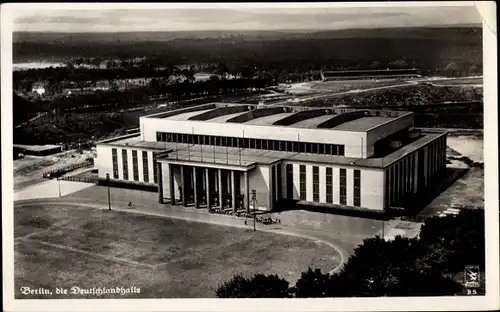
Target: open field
[69, 246]
[468, 190]
[475, 81]
[467, 145]
[346, 85]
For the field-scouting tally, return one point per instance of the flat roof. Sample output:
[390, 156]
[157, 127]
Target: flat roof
[362, 124]
[223, 155]
[224, 118]
[312, 123]
[186, 116]
[137, 141]
[272, 114]
[268, 120]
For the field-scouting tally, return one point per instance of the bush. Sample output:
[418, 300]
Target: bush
[258, 286]
[421, 266]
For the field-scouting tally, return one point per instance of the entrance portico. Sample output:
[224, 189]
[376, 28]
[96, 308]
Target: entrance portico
[204, 184]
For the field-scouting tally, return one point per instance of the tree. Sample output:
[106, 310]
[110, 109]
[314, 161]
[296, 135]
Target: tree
[221, 70]
[454, 241]
[399, 64]
[247, 71]
[258, 286]
[452, 69]
[375, 65]
[313, 284]
[188, 74]
[213, 78]
[381, 268]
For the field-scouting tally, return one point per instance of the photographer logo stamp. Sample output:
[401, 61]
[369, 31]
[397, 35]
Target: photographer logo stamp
[472, 276]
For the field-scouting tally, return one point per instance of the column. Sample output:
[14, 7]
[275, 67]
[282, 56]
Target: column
[233, 191]
[247, 193]
[207, 185]
[221, 205]
[195, 188]
[171, 183]
[160, 182]
[183, 187]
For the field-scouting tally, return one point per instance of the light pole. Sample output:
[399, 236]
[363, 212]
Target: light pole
[109, 192]
[59, 186]
[254, 199]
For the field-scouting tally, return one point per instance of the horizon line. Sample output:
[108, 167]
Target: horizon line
[460, 25]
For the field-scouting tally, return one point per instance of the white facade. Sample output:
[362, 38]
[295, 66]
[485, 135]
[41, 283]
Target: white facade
[104, 163]
[373, 186]
[372, 191]
[357, 143]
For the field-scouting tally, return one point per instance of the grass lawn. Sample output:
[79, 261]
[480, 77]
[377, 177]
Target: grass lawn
[64, 246]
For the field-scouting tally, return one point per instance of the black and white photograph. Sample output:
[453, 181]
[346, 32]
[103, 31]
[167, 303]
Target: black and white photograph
[278, 151]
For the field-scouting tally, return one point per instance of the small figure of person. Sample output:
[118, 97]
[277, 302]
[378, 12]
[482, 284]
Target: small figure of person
[245, 222]
[130, 204]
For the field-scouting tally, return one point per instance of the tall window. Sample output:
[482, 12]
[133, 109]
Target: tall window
[329, 186]
[393, 184]
[278, 173]
[387, 188]
[125, 164]
[303, 185]
[274, 184]
[114, 154]
[289, 181]
[343, 190]
[135, 165]
[357, 188]
[155, 176]
[316, 184]
[145, 166]
[401, 179]
[398, 181]
[341, 150]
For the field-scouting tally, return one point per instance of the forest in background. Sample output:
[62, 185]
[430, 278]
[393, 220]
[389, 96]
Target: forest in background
[429, 49]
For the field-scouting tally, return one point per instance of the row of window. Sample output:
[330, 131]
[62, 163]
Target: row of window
[135, 165]
[261, 144]
[410, 174]
[328, 185]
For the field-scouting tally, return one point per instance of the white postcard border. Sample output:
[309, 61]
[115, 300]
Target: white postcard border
[490, 301]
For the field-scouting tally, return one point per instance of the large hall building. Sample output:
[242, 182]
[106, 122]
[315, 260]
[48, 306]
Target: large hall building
[214, 155]
[343, 75]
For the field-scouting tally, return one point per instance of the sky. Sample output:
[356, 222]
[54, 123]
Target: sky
[248, 18]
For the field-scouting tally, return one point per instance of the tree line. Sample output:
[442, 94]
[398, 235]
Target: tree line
[455, 51]
[423, 266]
[116, 100]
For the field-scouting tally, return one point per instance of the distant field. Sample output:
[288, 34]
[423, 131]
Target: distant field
[340, 86]
[460, 81]
[67, 245]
